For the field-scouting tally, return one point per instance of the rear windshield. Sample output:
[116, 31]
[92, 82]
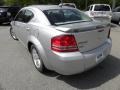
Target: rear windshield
[102, 8]
[65, 16]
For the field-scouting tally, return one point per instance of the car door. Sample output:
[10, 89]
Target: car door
[22, 26]
[19, 24]
[28, 15]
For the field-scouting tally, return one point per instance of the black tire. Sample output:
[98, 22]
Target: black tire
[13, 34]
[40, 68]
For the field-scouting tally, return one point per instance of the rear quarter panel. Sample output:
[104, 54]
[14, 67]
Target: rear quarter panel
[41, 36]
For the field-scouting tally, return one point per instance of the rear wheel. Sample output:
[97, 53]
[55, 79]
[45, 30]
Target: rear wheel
[37, 59]
[13, 35]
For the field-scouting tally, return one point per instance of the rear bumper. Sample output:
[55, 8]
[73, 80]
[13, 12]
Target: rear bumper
[73, 63]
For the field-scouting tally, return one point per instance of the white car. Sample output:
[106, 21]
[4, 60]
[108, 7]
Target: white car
[101, 12]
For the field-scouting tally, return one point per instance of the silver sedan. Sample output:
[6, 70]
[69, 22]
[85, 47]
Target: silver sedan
[61, 39]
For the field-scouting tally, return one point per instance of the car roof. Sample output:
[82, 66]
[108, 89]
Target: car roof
[48, 7]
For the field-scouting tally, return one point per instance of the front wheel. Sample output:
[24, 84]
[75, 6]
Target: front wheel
[13, 35]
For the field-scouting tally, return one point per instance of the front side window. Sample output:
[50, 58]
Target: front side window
[24, 16]
[20, 16]
[65, 16]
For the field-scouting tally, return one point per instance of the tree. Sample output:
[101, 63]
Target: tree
[1, 2]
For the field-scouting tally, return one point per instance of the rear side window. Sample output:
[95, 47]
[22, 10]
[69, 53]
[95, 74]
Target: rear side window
[101, 8]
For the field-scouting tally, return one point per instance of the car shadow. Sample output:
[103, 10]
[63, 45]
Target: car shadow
[107, 70]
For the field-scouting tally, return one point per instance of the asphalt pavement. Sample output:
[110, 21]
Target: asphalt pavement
[17, 71]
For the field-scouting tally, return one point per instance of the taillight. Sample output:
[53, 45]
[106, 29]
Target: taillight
[109, 33]
[64, 43]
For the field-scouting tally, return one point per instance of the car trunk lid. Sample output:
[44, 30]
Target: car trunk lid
[88, 35]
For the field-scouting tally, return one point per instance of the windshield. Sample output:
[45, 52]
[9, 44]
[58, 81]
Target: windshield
[102, 8]
[65, 16]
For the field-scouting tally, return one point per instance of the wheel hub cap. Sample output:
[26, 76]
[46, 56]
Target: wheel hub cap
[36, 58]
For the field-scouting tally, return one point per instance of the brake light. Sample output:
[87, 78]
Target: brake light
[109, 33]
[64, 43]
